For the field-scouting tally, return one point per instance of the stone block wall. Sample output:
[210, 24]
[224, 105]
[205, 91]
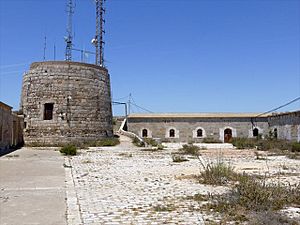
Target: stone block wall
[79, 96]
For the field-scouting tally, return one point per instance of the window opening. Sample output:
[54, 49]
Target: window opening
[199, 133]
[255, 132]
[275, 133]
[48, 111]
[172, 133]
[144, 133]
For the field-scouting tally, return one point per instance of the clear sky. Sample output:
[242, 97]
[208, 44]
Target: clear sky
[171, 55]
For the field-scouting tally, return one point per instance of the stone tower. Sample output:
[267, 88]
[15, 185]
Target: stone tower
[64, 101]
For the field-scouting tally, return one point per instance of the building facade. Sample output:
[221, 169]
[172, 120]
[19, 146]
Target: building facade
[286, 125]
[198, 127]
[65, 102]
[11, 128]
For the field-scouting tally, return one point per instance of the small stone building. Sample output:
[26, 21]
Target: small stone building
[65, 102]
[11, 127]
[197, 127]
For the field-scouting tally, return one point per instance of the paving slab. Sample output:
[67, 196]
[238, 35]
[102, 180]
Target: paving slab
[32, 188]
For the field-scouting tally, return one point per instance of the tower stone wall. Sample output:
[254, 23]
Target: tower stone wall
[66, 102]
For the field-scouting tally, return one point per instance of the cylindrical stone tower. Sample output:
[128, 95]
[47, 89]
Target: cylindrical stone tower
[65, 102]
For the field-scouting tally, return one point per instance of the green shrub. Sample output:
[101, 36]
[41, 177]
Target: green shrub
[252, 194]
[266, 145]
[295, 147]
[137, 142]
[69, 150]
[242, 143]
[189, 150]
[211, 140]
[150, 141]
[107, 142]
[218, 174]
[160, 147]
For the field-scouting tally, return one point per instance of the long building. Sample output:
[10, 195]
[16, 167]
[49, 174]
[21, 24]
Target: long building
[214, 126]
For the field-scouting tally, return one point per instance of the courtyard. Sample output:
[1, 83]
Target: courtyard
[123, 184]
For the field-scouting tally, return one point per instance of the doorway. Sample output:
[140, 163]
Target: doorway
[227, 135]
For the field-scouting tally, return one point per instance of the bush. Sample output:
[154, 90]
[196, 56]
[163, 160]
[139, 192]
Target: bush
[69, 150]
[211, 140]
[137, 142]
[107, 142]
[242, 143]
[295, 147]
[258, 195]
[189, 149]
[218, 174]
[160, 147]
[150, 141]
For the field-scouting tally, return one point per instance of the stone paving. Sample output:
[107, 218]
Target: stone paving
[125, 185]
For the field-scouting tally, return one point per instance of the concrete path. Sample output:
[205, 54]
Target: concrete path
[32, 188]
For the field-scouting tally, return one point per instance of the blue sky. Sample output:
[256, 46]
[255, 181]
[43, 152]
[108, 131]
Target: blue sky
[171, 55]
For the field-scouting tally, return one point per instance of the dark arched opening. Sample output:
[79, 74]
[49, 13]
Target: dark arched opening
[199, 133]
[144, 133]
[227, 135]
[275, 133]
[255, 132]
[171, 133]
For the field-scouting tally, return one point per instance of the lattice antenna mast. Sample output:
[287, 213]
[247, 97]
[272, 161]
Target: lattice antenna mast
[98, 40]
[69, 37]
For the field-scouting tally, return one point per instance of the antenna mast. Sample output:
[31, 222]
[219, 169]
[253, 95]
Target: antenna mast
[69, 38]
[98, 40]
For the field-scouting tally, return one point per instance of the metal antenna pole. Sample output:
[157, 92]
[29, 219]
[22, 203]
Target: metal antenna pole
[45, 46]
[98, 40]
[69, 37]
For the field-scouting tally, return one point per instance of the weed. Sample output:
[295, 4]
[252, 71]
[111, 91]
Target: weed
[137, 142]
[69, 150]
[251, 195]
[164, 208]
[129, 155]
[178, 158]
[217, 174]
[12, 156]
[242, 143]
[293, 155]
[211, 140]
[150, 141]
[108, 142]
[189, 150]
[160, 147]
[295, 147]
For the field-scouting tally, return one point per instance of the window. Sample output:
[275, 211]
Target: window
[275, 133]
[199, 133]
[255, 132]
[0, 132]
[144, 133]
[48, 111]
[171, 133]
